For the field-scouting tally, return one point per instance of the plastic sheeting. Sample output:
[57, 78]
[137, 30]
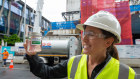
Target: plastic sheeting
[120, 9]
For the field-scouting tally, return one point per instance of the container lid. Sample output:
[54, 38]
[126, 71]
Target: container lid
[35, 34]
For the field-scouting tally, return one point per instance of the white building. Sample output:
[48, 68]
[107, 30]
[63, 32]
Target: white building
[72, 10]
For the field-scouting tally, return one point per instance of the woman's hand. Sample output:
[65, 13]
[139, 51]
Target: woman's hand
[28, 53]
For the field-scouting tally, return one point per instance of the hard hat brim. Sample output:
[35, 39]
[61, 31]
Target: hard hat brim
[80, 27]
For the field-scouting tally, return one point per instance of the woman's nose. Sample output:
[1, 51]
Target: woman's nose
[85, 38]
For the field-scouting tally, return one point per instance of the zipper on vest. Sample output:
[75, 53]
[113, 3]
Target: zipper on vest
[103, 68]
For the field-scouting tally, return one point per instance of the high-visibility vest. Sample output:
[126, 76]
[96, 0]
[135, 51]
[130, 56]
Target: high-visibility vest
[5, 55]
[113, 69]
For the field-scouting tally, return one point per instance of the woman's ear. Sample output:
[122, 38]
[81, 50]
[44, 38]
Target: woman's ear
[109, 41]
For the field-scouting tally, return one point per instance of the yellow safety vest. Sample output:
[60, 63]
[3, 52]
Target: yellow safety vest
[77, 69]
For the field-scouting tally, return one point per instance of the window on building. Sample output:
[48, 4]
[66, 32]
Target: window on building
[27, 13]
[5, 12]
[2, 21]
[32, 19]
[27, 16]
[0, 2]
[6, 4]
[15, 8]
[15, 23]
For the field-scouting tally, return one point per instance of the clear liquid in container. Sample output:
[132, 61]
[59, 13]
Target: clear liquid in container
[34, 42]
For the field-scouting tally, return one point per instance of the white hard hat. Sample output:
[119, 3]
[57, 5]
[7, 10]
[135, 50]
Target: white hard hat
[106, 21]
[5, 49]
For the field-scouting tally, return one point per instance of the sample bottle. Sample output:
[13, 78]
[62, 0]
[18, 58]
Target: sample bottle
[34, 42]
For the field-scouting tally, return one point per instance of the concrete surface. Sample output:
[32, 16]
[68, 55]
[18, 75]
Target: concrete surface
[131, 62]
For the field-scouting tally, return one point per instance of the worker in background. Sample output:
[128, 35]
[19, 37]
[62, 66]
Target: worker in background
[99, 59]
[5, 56]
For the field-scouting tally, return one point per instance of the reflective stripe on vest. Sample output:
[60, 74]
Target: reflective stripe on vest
[123, 71]
[118, 71]
[74, 66]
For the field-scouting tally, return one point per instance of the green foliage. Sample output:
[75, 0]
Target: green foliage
[11, 40]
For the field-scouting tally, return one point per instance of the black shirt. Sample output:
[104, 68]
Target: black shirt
[38, 68]
[99, 67]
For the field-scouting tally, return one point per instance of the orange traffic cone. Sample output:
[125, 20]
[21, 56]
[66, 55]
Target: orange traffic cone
[11, 64]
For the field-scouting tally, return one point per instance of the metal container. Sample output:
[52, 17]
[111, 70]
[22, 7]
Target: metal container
[55, 46]
[60, 45]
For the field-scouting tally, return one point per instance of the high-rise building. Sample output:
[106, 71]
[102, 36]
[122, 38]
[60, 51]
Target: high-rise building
[12, 19]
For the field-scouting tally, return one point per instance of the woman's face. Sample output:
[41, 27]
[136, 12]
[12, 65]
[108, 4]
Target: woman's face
[93, 41]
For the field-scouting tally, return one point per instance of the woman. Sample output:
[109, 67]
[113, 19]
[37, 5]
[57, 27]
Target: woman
[100, 59]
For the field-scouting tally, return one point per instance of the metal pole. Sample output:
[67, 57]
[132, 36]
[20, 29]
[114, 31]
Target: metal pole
[24, 22]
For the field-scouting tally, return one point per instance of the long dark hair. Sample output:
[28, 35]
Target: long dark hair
[112, 50]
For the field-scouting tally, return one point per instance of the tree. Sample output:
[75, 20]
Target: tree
[11, 40]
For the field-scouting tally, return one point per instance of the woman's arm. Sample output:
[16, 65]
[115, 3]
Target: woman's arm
[38, 68]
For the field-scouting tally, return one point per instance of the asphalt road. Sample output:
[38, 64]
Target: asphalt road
[21, 71]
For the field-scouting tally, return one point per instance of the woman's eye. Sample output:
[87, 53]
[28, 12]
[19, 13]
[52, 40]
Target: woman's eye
[91, 34]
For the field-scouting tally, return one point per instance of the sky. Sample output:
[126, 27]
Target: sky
[52, 9]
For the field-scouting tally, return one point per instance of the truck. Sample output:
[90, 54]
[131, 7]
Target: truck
[59, 47]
